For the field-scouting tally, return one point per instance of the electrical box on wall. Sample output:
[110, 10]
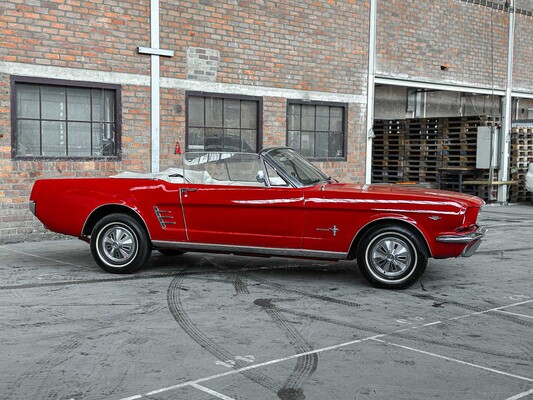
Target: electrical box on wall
[487, 137]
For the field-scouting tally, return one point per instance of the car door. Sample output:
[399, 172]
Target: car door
[269, 217]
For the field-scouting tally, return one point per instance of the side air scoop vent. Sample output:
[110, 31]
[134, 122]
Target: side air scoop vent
[165, 217]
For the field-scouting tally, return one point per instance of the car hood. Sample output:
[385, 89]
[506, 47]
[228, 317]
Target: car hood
[403, 194]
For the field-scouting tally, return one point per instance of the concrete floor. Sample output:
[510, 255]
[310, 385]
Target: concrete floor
[203, 326]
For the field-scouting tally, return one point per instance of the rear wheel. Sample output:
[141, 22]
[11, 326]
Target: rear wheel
[119, 244]
[391, 256]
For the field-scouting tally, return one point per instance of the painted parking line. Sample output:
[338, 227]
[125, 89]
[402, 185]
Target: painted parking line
[523, 378]
[212, 392]
[496, 309]
[516, 314]
[521, 395]
[338, 346]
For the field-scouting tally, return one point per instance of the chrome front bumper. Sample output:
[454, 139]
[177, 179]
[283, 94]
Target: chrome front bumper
[472, 240]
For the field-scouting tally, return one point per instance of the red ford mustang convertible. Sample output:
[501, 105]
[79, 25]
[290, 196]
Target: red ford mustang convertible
[270, 204]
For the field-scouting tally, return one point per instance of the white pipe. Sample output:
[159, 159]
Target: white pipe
[370, 90]
[154, 85]
[506, 125]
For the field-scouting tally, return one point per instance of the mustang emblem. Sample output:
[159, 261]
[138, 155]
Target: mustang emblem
[334, 229]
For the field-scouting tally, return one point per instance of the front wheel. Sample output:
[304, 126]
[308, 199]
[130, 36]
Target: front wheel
[391, 257]
[119, 244]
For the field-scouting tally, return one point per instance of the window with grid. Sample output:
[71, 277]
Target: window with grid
[317, 131]
[54, 120]
[223, 123]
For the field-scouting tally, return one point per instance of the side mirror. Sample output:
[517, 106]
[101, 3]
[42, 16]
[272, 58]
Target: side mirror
[260, 177]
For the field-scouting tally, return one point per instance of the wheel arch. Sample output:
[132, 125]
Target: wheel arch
[102, 211]
[390, 221]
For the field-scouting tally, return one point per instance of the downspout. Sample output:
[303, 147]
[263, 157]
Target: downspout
[370, 90]
[506, 126]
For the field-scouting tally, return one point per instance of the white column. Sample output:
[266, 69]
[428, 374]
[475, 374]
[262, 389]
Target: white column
[370, 90]
[503, 175]
[155, 52]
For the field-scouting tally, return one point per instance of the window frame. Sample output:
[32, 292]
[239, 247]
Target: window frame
[259, 100]
[66, 83]
[344, 107]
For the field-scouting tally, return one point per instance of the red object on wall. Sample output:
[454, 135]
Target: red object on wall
[178, 148]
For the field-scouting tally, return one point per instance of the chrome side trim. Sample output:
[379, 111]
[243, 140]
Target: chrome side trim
[329, 255]
[471, 237]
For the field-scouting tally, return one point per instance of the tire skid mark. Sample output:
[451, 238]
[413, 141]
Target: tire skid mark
[283, 288]
[240, 285]
[305, 366]
[178, 312]
[443, 301]
[401, 335]
[170, 274]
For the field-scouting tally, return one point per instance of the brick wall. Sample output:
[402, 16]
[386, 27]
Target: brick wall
[276, 50]
[416, 38]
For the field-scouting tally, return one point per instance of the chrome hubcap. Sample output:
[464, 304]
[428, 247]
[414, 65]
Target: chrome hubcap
[118, 244]
[391, 256]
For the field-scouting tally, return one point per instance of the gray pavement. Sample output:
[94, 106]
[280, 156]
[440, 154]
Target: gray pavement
[204, 326]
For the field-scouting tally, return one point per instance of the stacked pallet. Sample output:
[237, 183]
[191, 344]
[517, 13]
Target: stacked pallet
[388, 151]
[521, 154]
[438, 151]
[423, 149]
[460, 141]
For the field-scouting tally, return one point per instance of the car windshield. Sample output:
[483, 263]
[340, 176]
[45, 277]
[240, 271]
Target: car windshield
[297, 167]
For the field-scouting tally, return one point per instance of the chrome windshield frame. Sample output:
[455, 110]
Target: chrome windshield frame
[280, 169]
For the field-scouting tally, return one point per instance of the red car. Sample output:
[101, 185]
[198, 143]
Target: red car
[270, 204]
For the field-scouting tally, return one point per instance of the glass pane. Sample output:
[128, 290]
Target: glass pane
[322, 143]
[293, 123]
[308, 118]
[322, 118]
[27, 101]
[79, 139]
[249, 141]
[232, 113]
[103, 102]
[249, 114]
[54, 135]
[336, 119]
[196, 111]
[98, 104]
[195, 140]
[213, 112]
[28, 138]
[53, 102]
[79, 104]
[109, 102]
[308, 144]
[232, 140]
[293, 140]
[336, 145]
[104, 143]
[213, 139]
[98, 139]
